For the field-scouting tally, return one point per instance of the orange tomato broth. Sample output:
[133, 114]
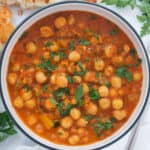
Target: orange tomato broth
[96, 72]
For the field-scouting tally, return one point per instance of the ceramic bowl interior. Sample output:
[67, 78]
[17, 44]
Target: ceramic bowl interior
[81, 6]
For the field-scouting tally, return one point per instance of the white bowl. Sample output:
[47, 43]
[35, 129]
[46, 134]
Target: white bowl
[81, 6]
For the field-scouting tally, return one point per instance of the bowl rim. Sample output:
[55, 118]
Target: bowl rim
[75, 2]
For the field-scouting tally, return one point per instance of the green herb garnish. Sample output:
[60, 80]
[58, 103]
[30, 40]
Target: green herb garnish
[63, 110]
[62, 55]
[70, 79]
[100, 126]
[84, 42]
[108, 84]
[61, 92]
[47, 65]
[93, 94]
[71, 46]
[114, 31]
[97, 75]
[82, 71]
[142, 5]
[6, 126]
[124, 73]
[48, 44]
[45, 88]
[133, 52]
[27, 88]
[79, 95]
[88, 117]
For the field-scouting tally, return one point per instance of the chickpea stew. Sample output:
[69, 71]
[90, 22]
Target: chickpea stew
[72, 81]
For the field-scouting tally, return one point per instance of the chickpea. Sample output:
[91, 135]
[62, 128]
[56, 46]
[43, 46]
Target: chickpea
[31, 48]
[36, 62]
[85, 88]
[99, 65]
[75, 113]
[91, 108]
[40, 77]
[30, 104]
[71, 68]
[62, 133]
[117, 103]
[26, 95]
[109, 71]
[77, 79]
[120, 114]
[63, 43]
[113, 92]
[73, 101]
[90, 77]
[74, 56]
[74, 139]
[12, 78]
[137, 76]
[46, 55]
[18, 102]
[121, 92]
[32, 120]
[104, 103]
[71, 20]
[60, 22]
[126, 48]
[46, 31]
[53, 79]
[16, 67]
[48, 105]
[82, 122]
[39, 128]
[54, 47]
[110, 50]
[116, 82]
[81, 131]
[103, 91]
[61, 81]
[117, 60]
[94, 40]
[56, 58]
[66, 122]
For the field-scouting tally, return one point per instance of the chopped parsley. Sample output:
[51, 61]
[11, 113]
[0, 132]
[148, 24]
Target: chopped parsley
[79, 95]
[93, 94]
[84, 42]
[71, 46]
[124, 73]
[88, 117]
[48, 44]
[100, 126]
[133, 52]
[45, 88]
[60, 92]
[114, 31]
[70, 79]
[63, 109]
[82, 71]
[47, 65]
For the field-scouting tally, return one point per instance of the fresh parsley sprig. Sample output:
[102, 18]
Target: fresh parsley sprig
[6, 126]
[142, 5]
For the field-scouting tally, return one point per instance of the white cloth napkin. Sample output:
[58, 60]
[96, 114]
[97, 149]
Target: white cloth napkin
[21, 142]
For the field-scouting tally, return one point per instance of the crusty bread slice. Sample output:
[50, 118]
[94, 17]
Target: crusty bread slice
[28, 3]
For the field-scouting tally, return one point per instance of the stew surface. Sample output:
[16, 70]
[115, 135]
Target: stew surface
[74, 78]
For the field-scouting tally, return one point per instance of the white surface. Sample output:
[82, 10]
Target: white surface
[20, 142]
